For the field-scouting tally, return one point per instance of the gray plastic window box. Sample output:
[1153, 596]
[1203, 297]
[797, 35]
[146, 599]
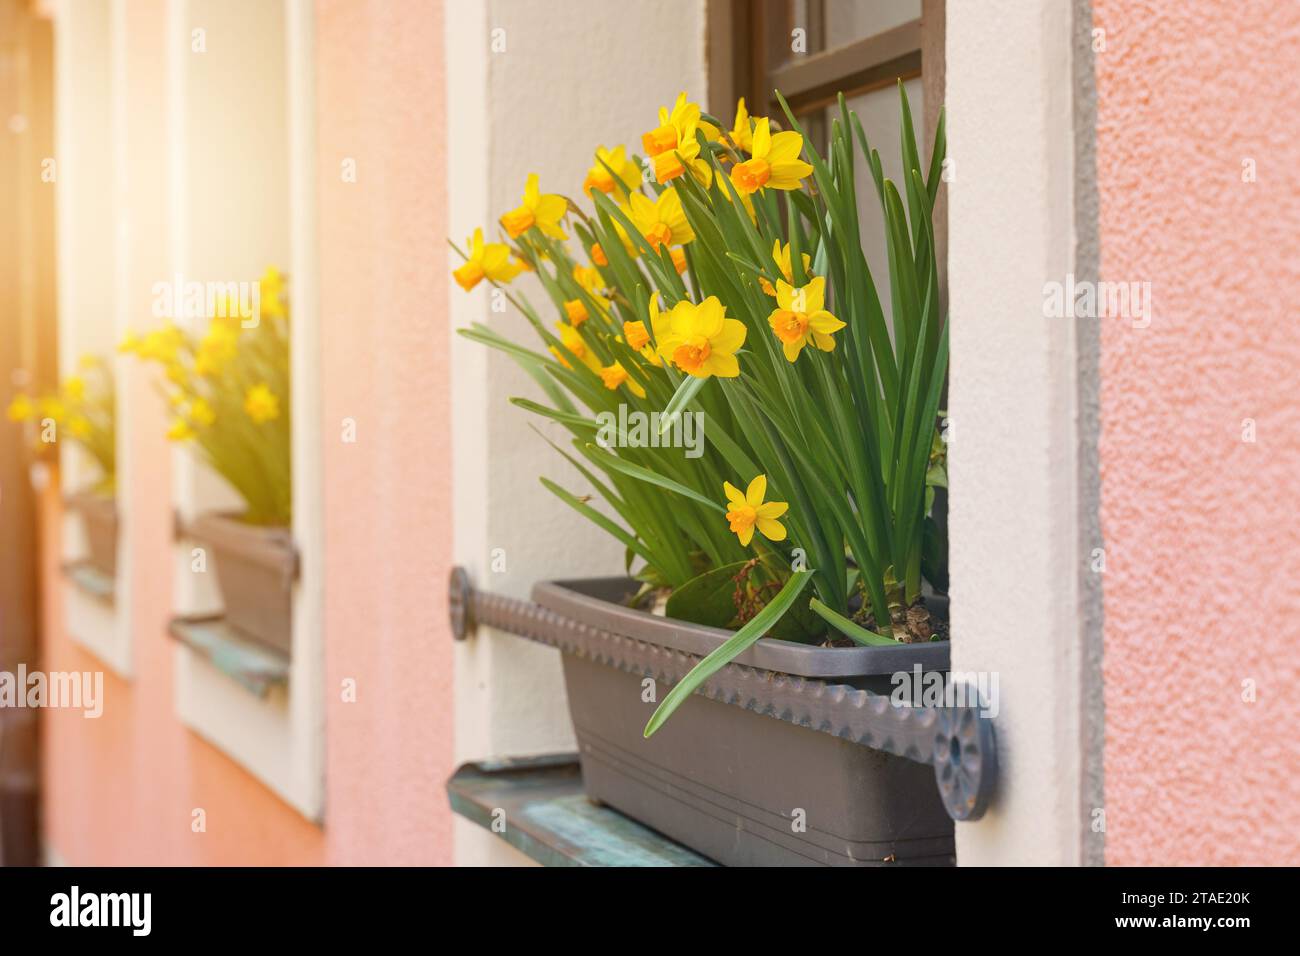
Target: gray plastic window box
[729, 781]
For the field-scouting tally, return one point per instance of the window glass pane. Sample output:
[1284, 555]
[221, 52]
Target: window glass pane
[848, 20]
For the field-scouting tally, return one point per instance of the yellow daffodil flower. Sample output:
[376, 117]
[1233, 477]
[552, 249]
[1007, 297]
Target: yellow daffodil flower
[219, 346]
[574, 344]
[626, 175]
[588, 278]
[665, 136]
[201, 413]
[270, 289]
[741, 133]
[162, 344]
[659, 322]
[490, 260]
[53, 408]
[774, 162]
[78, 426]
[543, 210]
[226, 311]
[180, 430]
[75, 388]
[598, 255]
[130, 343]
[615, 375]
[700, 339]
[748, 511]
[800, 318]
[781, 258]
[261, 404]
[592, 283]
[662, 221]
[674, 137]
[20, 409]
[679, 258]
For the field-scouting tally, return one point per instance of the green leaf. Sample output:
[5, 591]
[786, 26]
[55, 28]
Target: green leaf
[734, 646]
[684, 395]
[654, 478]
[934, 555]
[855, 631]
[708, 599]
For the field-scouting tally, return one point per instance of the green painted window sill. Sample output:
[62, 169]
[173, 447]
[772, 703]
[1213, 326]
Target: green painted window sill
[537, 805]
[254, 666]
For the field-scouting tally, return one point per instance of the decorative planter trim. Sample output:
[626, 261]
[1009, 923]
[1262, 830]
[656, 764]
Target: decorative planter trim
[596, 601]
[957, 741]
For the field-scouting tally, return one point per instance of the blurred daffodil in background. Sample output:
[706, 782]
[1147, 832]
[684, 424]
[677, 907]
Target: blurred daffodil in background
[227, 386]
[83, 411]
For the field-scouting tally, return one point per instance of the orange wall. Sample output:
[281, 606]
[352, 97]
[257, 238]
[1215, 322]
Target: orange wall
[121, 789]
[1202, 583]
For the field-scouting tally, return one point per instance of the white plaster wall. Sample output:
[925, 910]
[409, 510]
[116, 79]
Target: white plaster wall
[572, 76]
[1013, 454]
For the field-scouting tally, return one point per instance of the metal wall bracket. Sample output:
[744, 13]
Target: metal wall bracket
[957, 741]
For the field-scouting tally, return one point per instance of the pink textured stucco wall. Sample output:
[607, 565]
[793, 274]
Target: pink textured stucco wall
[1202, 583]
[121, 789]
[387, 503]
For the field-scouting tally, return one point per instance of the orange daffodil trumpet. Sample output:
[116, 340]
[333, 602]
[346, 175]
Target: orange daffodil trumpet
[799, 318]
[490, 260]
[774, 162]
[615, 375]
[638, 337]
[576, 310]
[543, 210]
[747, 510]
[700, 339]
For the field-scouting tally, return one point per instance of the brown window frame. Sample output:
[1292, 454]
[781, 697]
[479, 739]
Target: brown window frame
[747, 44]
[748, 40]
